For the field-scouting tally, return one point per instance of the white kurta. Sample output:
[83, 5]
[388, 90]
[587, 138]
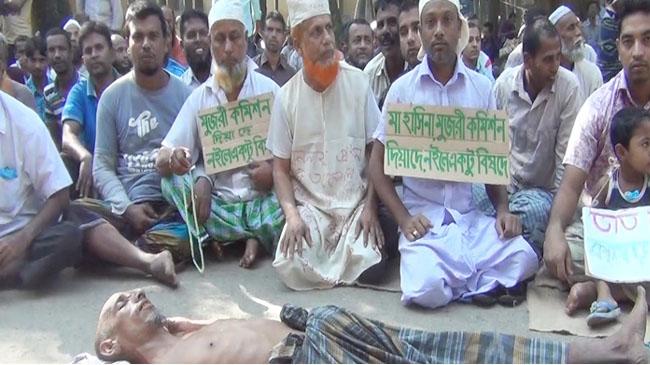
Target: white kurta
[462, 255]
[325, 136]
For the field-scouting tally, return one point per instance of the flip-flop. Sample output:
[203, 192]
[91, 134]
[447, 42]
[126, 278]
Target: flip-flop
[602, 312]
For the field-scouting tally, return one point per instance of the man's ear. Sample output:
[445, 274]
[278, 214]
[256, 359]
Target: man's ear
[109, 348]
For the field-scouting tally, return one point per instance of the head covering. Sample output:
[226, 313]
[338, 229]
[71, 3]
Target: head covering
[464, 28]
[226, 10]
[301, 10]
[71, 23]
[559, 13]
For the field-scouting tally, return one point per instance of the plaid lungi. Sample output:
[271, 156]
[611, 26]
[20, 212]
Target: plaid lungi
[259, 218]
[334, 335]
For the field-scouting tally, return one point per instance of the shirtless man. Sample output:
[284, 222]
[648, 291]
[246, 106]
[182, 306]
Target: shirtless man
[131, 328]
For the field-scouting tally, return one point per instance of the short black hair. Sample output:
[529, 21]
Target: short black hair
[407, 5]
[276, 16]
[626, 8]
[348, 25]
[383, 4]
[534, 14]
[190, 14]
[625, 123]
[35, 44]
[142, 9]
[58, 31]
[533, 34]
[91, 27]
[474, 25]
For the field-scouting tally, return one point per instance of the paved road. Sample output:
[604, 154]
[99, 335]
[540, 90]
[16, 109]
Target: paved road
[55, 324]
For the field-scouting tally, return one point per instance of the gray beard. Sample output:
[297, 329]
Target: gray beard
[574, 54]
[234, 75]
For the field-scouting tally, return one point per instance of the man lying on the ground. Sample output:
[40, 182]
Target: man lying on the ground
[235, 205]
[35, 242]
[134, 114]
[131, 328]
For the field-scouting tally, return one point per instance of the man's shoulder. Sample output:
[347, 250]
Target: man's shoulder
[603, 96]
[374, 64]
[118, 86]
[263, 84]
[566, 80]
[23, 119]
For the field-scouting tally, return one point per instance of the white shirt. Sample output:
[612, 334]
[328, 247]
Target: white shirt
[32, 170]
[589, 76]
[108, 12]
[189, 79]
[467, 89]
[234, 185]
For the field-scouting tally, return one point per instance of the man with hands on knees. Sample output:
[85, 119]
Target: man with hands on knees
[234, 205]
[449, 249]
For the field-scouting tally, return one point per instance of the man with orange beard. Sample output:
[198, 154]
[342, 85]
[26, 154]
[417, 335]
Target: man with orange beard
[322, 123]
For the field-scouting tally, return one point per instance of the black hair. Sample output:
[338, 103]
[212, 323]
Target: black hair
[625, 123]
[58, 31]
[489, 26]
[93, 27]
[346, 29]
[276, 16]
[35, 44]
[190, 14]
[21, 38]
[407, 5]
[142, 9]
[384, 4]
[534, 14]
[533, 34]
[626, 8]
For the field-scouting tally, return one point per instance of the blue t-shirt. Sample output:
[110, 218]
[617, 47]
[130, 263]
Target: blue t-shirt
[81, 107]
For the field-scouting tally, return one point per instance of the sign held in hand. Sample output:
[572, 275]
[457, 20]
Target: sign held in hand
[617, 246]
[234, 135]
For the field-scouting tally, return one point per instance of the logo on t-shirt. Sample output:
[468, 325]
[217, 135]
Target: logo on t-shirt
[145, 123]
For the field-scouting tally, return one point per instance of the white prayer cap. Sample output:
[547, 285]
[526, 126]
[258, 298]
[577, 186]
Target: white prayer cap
[464, 28]
[70, 23]
[301, 10]
[559, 13]
[226, 10]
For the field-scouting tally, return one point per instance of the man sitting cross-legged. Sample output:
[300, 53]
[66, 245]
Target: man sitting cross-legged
[235, 205]
[131, 328]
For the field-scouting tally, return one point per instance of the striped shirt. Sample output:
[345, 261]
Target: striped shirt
[55, 100]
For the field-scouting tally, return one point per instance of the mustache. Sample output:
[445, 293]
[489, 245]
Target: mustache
[389, 38]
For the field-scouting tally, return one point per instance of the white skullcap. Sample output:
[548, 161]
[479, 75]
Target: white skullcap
[301, 10]
[464, 28]
[71, 23]
[226, 10]
[559, 13]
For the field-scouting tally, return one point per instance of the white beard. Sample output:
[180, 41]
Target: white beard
[228, 78]
[575, 53]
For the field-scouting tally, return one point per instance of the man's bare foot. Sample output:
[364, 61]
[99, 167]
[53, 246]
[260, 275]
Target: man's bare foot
[250, 254]
[162, 268]
[580, 296]
[217, 250]
[628, 341]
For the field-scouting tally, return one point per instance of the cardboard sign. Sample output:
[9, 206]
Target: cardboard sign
[234, 135]
[617, 245]
[442, 143]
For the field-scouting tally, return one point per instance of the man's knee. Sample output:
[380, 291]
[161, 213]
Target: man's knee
[429, 291]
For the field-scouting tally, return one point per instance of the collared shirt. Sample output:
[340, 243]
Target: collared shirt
[590, 148]
[379, 80]
[54, 100]
[234, 185]
[466, 89]
[31, 169]
[108, 12]
[174, 67]
[281, 75]
[81, 107]
[539, 129]
[190, 79]
[39, 98]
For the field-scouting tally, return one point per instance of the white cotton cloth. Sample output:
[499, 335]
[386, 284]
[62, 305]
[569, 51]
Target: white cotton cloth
[301, 10]
[226, 10]
[559, 13]
[71, 23]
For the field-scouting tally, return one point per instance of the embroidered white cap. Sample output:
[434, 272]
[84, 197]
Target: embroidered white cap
[71, 23]
[464, 28]
[301, 10]
[559, 13]
[226, 10]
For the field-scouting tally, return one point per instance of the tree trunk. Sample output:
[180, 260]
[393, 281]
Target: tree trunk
[336, 19]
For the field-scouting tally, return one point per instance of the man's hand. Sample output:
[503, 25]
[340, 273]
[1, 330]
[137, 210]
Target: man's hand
[415, 227]
[141, 217]
[203, 199]
[179, 161]
[557, 256]
[13, 248]
[85, 180]
[369, 225]
[508, 225]
[262, 175]
[296, 230]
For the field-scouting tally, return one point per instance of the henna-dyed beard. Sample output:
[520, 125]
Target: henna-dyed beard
[322, 75]
[229, 78]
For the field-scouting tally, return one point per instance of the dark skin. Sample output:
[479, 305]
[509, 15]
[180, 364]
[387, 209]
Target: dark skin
[388, 38]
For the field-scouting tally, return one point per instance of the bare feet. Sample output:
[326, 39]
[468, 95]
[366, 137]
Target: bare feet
[162, 268]
[580, 296]
[628, 341]
[250, 254]
[216, 249]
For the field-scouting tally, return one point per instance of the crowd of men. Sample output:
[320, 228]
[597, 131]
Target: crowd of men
[102, 154]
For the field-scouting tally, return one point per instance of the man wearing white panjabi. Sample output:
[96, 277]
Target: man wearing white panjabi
[449, 250]
[322, 124]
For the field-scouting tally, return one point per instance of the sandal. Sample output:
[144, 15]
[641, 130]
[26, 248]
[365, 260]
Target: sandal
[602, 312]
[514, 296]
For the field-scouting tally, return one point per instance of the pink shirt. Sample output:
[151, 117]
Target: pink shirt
[589, 147]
